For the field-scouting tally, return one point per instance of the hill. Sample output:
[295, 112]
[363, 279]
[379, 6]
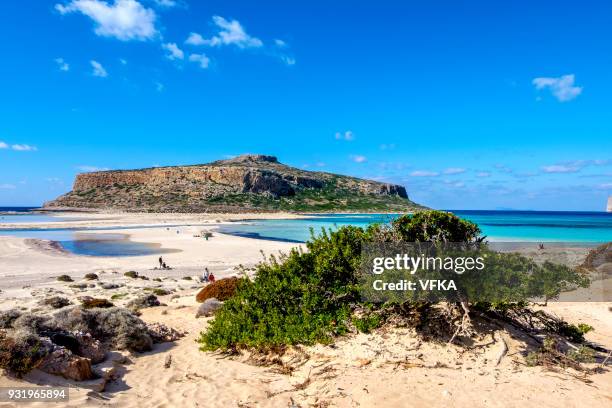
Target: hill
[245, 183]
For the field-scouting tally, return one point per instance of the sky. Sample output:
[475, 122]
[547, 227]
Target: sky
[469, 104]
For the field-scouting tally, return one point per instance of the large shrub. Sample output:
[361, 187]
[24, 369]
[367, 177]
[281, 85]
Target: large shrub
[309, 296]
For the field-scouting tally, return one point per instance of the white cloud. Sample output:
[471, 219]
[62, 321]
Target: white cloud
[359, 158]
[483, 174]
[201, 59]
[62, 65]
[18, 147]
[195, 39]
[573, 166]
[605, 186]
[159, 87]
[166, 3]
[562, 87]
[229, 33]
[560, 168]
[123, 61]
[98, 69]
[7, 186]
[288, 60]
[90, 169]
[424, 173]
[280, 43]
[123, 19]
[23, 148]
[174, 50]
[454, 170]
[347, 136]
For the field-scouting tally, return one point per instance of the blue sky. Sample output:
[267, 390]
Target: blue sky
[470, 105]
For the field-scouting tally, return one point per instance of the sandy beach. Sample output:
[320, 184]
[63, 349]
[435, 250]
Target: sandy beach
[392, 367]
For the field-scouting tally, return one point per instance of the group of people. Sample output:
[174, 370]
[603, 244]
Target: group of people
[206, 276]
[162, 264]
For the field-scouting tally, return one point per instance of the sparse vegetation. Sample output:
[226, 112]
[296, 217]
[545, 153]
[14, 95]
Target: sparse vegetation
[90, 276]
[65, 278]
[56, 302]
[142, 302]
[21, 353]
[117, 327]
[96, 303]
[161, 291]
[131, 274]
[7, 317]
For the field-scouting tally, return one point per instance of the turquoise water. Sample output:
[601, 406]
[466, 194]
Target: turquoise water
[501, 226]
[530, 226]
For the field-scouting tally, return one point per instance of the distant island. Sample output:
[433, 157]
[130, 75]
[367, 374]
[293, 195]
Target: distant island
[247, 183]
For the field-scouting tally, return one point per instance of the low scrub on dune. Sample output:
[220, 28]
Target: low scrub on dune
[222, 290]
[312, 296]
[22, 353]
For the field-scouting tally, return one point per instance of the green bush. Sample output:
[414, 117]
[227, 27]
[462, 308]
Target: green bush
[368, 323]
[302, 297]
[65, 278]
[308, 297]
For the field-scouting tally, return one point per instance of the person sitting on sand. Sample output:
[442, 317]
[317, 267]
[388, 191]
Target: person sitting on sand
[211, 278]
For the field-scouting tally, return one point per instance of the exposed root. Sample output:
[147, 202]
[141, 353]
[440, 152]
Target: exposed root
[503, 351]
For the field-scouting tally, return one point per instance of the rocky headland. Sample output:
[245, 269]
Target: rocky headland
[244, 183]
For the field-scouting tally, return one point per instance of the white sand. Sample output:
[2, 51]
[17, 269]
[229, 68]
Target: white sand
[389, 369]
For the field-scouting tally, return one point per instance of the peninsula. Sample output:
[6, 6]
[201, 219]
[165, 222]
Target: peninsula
[247, 183]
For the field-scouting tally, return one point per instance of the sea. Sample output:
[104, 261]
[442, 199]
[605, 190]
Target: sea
[577, 228]
[501, 226]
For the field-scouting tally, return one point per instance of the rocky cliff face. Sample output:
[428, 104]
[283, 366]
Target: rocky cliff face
[244, 183]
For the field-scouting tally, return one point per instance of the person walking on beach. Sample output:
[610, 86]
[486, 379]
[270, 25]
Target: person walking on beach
[205, 275]
[161, 262]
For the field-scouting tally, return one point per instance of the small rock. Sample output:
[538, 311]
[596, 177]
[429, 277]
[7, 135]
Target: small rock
[89, 347]
[168, 361]
[209, 307]
[62, 362]
[160, 333]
